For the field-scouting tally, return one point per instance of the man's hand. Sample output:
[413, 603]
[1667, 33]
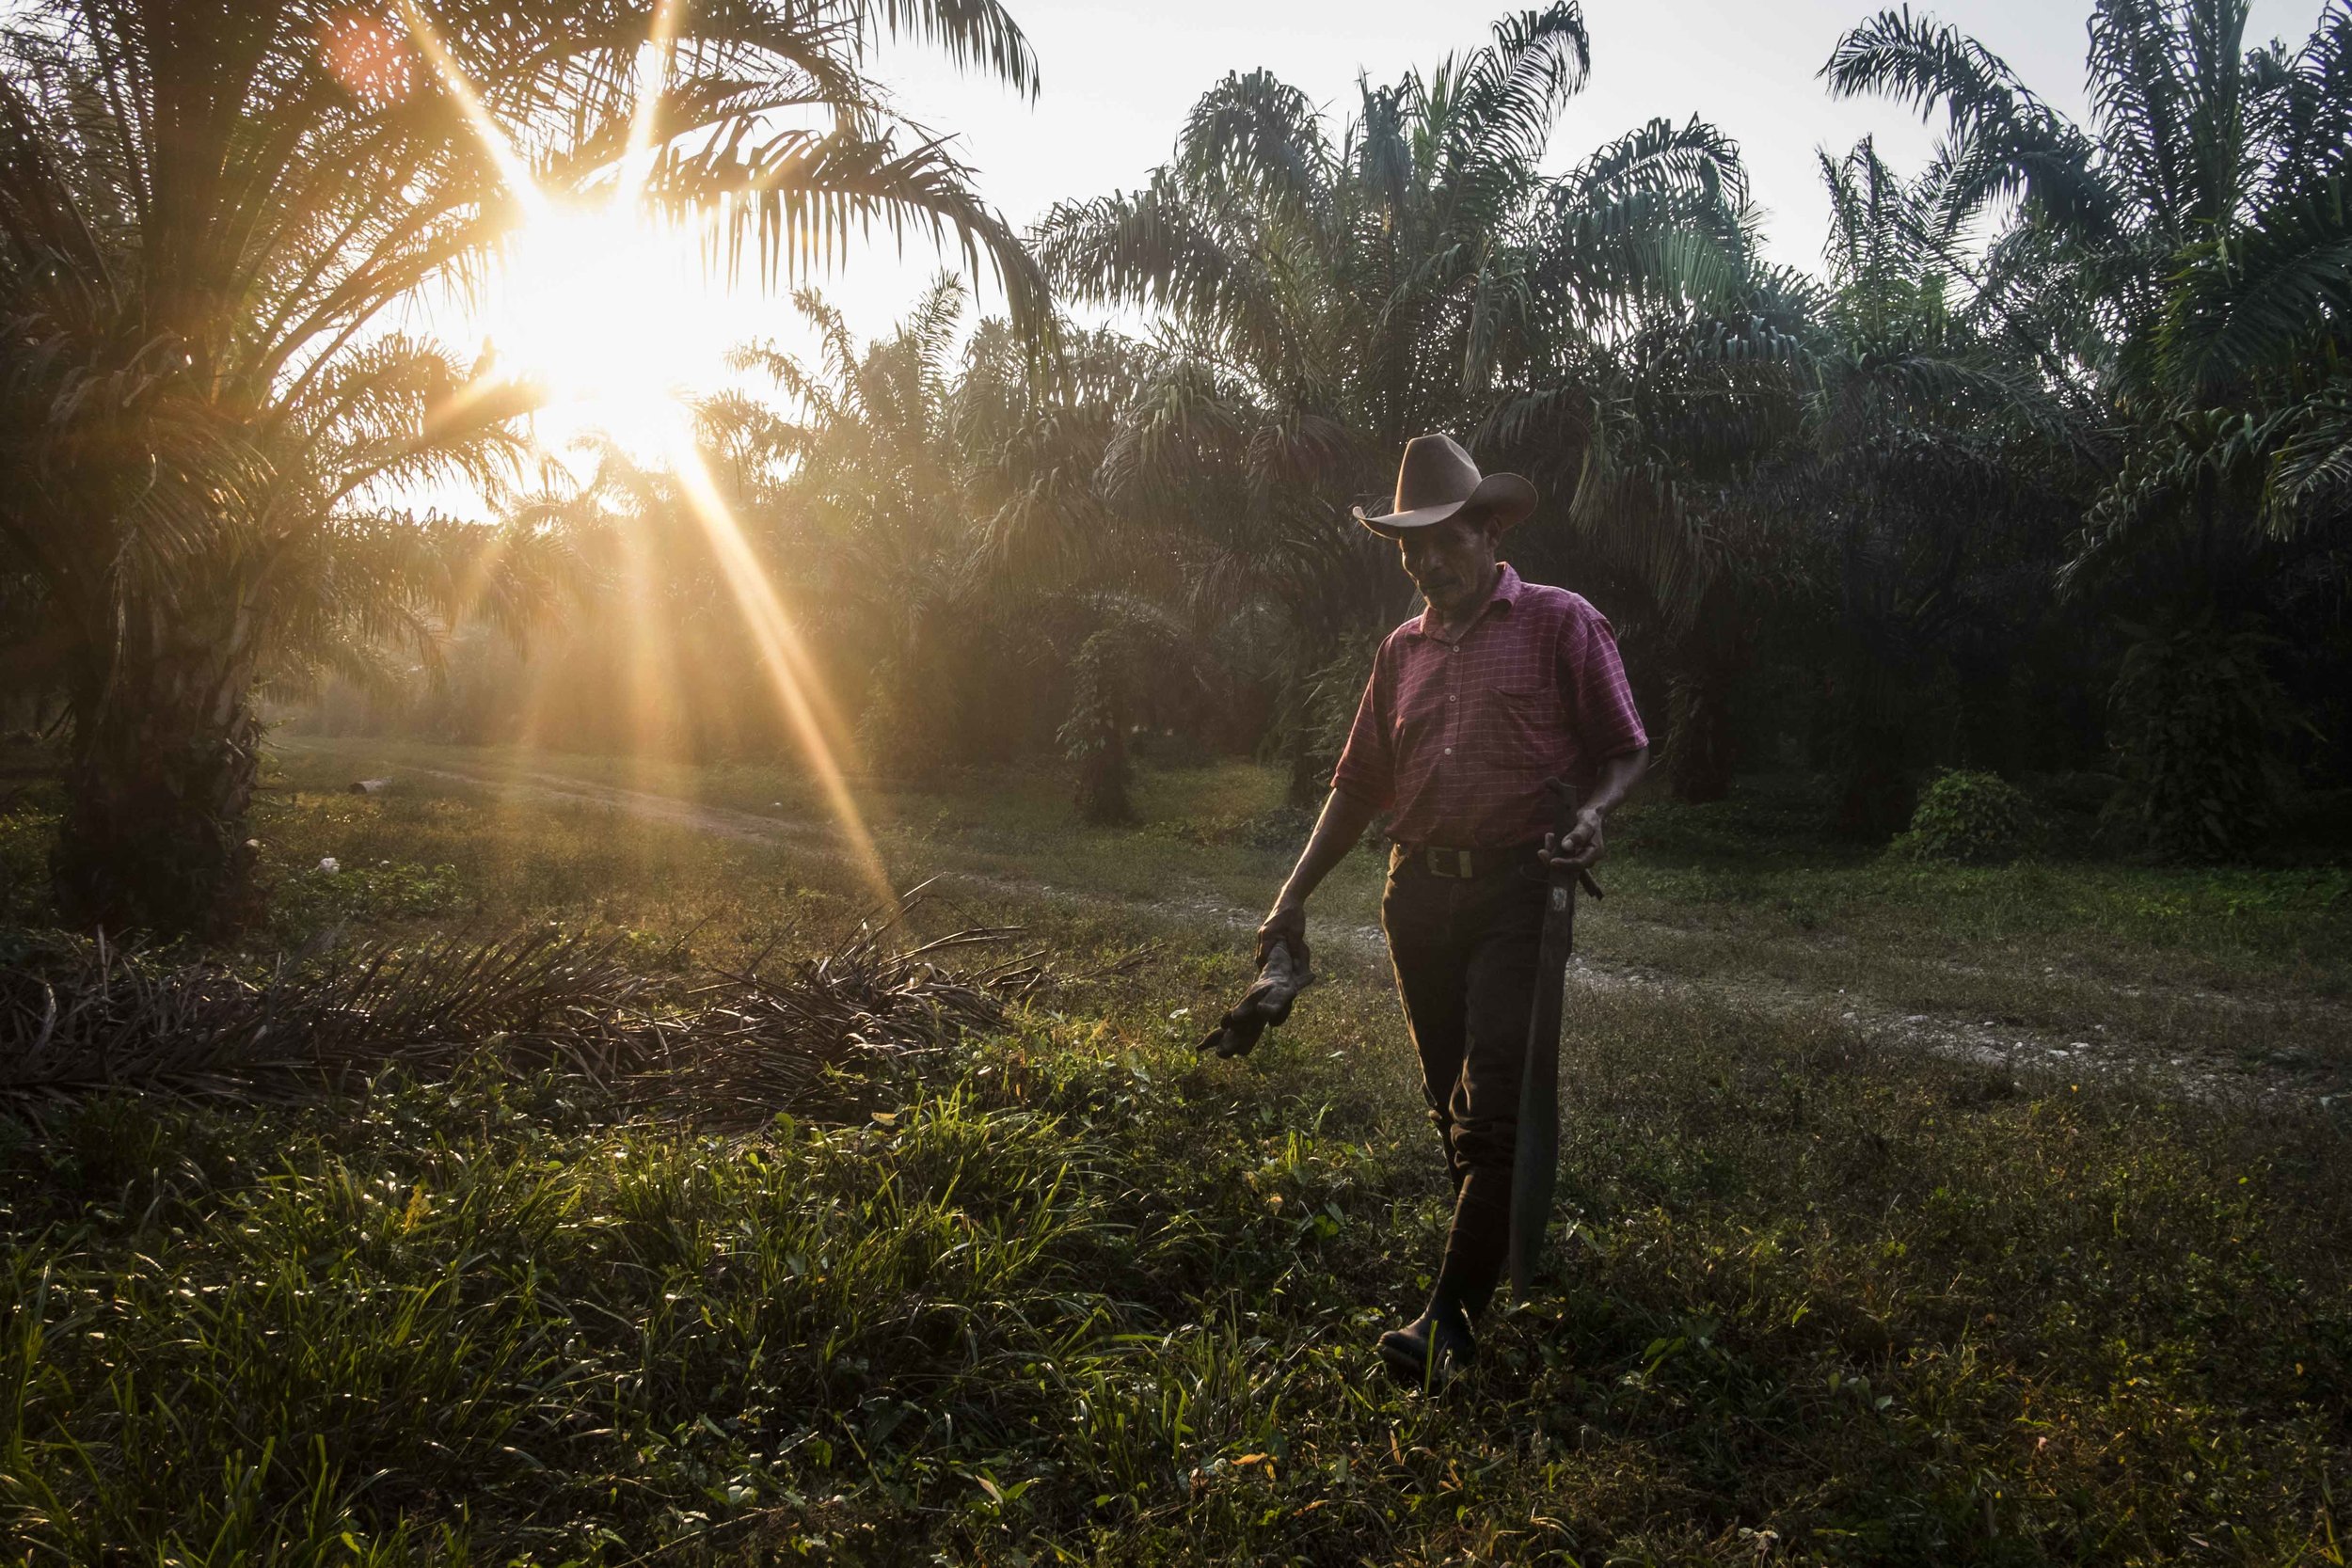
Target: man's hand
[1584, 847]
[1285, 923]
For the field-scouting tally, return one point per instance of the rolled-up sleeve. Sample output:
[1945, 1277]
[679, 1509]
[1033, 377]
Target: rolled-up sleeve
[1601, 703]
[1367, 768]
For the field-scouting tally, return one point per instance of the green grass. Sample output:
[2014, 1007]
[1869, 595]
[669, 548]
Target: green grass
[1218, 831]
[1760, 861]
[1089, 1298]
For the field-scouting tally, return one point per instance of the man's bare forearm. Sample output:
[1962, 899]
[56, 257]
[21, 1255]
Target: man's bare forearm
[1618, 777]
[1337, 830]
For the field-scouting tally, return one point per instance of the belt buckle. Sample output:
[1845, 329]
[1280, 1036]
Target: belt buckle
[1461, 867]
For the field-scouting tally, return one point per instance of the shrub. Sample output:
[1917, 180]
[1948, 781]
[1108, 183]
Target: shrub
[1967, 818]
[2197, 722]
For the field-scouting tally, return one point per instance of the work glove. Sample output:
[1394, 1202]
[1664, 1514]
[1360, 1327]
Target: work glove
[1282, 974]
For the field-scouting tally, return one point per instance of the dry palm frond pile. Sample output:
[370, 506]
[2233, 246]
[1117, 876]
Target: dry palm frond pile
[84, 1015]
[864, 1004]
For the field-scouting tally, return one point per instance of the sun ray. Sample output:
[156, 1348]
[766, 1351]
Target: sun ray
[646, 111]
[653, 683]
[612, 238]
[785, 660]
[511, 167]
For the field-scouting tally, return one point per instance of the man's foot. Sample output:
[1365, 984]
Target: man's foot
[1431, 1352]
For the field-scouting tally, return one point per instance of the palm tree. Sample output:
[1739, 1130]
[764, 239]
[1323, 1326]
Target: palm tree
[1662, 390]
[1325, 299]
[206, 210]
[1762, 458]
[2194, 234]
[866, 509]
[1935, 485]
[2182, 268]
[867, 488]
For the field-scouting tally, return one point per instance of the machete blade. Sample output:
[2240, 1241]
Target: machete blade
[1535, 1159]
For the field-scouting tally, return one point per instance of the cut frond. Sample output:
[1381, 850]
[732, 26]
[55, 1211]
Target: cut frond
[83, 1017]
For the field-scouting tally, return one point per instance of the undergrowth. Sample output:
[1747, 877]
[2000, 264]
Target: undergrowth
[1087, 1299]
[1066, 1292]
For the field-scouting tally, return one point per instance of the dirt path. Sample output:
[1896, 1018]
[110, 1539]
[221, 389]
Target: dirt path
[2104, 1055]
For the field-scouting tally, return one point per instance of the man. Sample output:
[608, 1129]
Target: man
[1499, 686]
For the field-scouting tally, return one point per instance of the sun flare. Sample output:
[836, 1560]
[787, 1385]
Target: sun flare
[608, 312]
[611, 312]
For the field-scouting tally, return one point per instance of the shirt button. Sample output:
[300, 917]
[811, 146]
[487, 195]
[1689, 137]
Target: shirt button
[1449, 698]
[1449, 751]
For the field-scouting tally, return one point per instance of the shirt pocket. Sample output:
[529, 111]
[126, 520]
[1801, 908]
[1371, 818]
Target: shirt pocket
[1528, 729]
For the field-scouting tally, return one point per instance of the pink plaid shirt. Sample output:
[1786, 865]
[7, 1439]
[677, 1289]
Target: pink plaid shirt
[1455, 740]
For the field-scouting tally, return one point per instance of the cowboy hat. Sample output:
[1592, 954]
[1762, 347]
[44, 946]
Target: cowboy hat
[1436, 478]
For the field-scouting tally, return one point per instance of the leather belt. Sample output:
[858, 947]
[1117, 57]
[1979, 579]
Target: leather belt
[1439, 860]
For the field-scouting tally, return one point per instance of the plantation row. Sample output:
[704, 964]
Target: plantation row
[2041, 473]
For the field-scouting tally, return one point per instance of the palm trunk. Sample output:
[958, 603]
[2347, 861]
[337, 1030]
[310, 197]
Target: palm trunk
[1702, 745]
[158, 788]
[1700, 752]
[1310, 772]
[1875, 795]
[1095, 736]
[1101, 796]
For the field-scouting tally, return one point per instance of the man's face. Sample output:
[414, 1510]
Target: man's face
[1452, 562]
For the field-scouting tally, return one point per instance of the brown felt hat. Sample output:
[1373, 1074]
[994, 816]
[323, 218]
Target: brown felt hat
[1438, 480]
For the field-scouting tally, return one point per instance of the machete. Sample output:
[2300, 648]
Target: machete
[1535, 1161]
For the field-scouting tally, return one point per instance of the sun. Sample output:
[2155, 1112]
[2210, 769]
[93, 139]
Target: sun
[610, 313]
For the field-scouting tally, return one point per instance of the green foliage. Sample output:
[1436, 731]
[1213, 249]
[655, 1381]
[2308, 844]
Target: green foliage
[1775, 895]
[313, 898]
[1083, 1296]
[2197, 716]
[1340, 282]
[2172, 275]
[1871, 518]
[194, 297]
[1967, 818]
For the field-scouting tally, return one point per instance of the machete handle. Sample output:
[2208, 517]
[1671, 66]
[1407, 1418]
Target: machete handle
[1563, 809]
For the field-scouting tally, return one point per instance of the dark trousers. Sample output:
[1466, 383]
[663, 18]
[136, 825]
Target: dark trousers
[1464, 950]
